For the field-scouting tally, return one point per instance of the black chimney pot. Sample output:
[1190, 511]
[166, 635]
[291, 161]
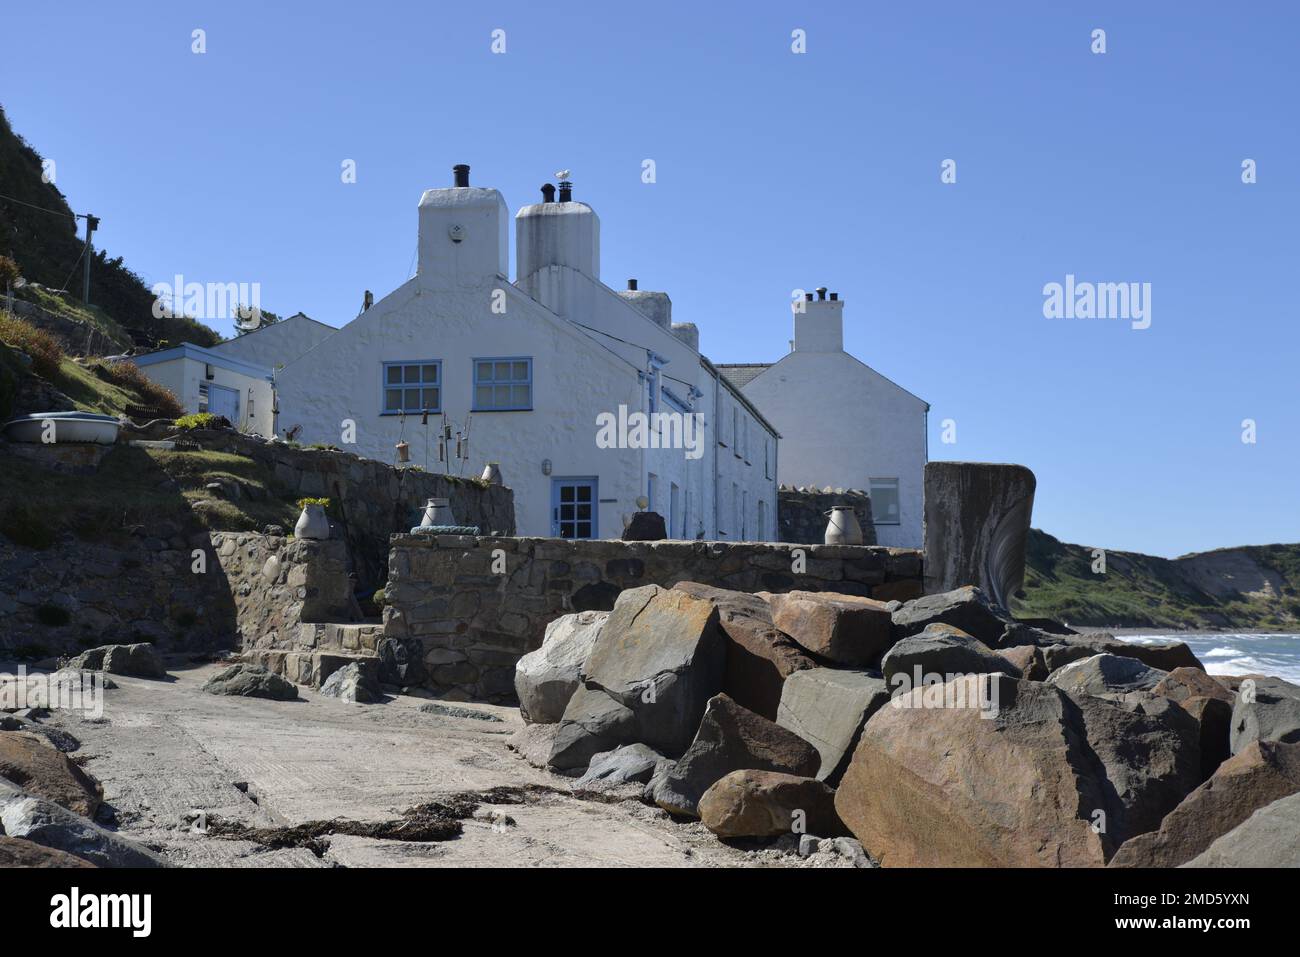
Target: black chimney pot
[631, 284]
[548, 193]
[808, 296]
[566, 191]
[461, 172]
[821, 292]
[835, 297]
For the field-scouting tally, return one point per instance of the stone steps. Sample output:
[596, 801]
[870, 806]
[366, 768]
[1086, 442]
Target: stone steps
[310, 668]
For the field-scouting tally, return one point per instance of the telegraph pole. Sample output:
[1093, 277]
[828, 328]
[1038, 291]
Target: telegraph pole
[92, 223]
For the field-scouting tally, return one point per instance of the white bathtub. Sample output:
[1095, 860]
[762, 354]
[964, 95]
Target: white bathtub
[68, 427]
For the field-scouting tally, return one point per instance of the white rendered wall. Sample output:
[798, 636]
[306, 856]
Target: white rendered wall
[842, 424]
[183, 376]
[277, 344]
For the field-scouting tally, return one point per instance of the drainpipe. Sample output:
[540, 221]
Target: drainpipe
[717, 418]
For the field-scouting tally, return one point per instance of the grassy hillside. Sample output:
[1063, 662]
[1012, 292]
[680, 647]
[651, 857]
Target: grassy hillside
[1254, 588]
[46, 246]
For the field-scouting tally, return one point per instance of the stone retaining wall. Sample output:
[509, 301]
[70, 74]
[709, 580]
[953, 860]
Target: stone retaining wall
[801, 513]
[461, 610]
[279, 584]
[372, 498]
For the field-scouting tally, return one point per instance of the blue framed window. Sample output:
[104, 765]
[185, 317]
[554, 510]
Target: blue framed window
[574, 505]
[412, 387]
[503, 384]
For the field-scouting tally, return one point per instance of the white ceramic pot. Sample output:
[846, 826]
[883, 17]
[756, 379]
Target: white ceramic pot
[491, 473]
[843, 528]
[312, 523]
[437, 511]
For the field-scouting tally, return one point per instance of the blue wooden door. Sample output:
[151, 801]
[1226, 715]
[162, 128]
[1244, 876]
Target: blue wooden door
[573, 507]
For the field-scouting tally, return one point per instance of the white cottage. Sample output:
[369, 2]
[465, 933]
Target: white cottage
[205, 380]
[589, 399]
[843, 423]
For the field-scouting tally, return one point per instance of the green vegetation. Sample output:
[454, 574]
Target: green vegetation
[1147, 591]
[198, 420]
[132, 489]
[63, 303]
[151, 395]
[12, 369]
[44, 349]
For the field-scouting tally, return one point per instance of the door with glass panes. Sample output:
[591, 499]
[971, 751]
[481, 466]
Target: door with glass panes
[573, 507]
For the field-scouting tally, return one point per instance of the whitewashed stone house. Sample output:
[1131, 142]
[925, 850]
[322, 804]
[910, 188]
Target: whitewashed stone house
[278, 343]
[842, 423]
[205, 380]
[545, 376]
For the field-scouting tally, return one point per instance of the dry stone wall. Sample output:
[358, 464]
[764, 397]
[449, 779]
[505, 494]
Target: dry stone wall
[461, 610]
[801, 513]
[372, 498]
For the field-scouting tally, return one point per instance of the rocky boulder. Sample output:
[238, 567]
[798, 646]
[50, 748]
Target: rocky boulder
[937, 786]
[645, 527]
[968, 609]
[251, 681]
[36, 766]
[1268, 838]
[731, 738]
[1266, 709]
[657, 661]
[988, 771]
[1210, 702]
[1263, 772]
[630, 764]
[1060, 648]
[137, 661]
[50, 825]
[356, 682]
[1105, 676]
[1027, 660]
[940, 650]
[546, 679]
[17, 852]
[841, 629]
[759, 657]
[827, 707]
[769, 803]
[534, 743]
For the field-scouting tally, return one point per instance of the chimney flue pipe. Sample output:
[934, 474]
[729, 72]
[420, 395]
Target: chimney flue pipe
[461, 172]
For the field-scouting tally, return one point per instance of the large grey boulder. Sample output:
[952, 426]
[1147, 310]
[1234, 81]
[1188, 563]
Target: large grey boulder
[630, 764]
[842, 629]
[546, 679]
[1105, 676]
[657, 661]
[827, 707]
[1150, 751]
[940, 779]
[760, 657]
[1060, 648]
[356, 682]
[1262, 773]
[43, 822]
[1266, 709]
[250, 681]
[138, 661]
[731, 738]
[940, 651]
[769, 804]
[976, 520]
[32, 763]
[968, 608]
[1268, 838]
[18, 852]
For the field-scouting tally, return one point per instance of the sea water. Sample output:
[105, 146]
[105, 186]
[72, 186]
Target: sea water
[1238, 654]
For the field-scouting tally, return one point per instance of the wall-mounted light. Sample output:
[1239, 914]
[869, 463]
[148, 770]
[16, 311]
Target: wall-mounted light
[546, 466]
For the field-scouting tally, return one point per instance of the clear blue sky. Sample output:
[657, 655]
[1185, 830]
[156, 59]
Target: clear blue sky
[775, 171]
